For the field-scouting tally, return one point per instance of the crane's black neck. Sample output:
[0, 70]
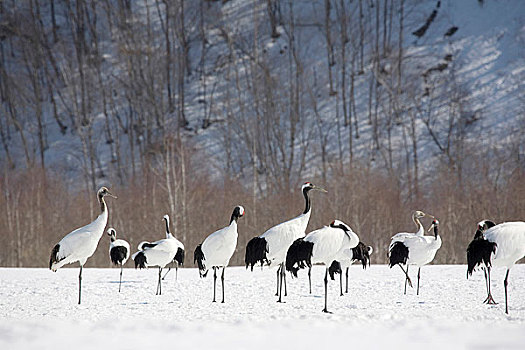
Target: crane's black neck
[308, 205]
[436, 234]
[478, 234]
[102, 202]
[236, 214]
[113, 238]
[167, 226]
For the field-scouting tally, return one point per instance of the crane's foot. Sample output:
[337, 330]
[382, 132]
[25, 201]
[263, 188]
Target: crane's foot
[326, 311]
[490, 300]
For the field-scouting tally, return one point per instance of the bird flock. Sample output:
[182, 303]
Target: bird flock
[287, 246]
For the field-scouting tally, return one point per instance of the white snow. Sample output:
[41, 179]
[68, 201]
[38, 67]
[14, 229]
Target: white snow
[38, 310]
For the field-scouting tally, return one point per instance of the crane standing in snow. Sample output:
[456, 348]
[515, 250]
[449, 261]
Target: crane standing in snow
[416, 215]
[118, 251]
[218, 248]
[178, 260]
[410, 249]
[479, 252]
[321, 246]
[272, 245]
[359, 253]
[159, 253]
[506, 245]
[81, 243]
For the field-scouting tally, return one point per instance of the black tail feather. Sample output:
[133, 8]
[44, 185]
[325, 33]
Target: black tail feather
[479, 252]
[335, 268]
[179, 256]
[256, 251]
[54, 256]
[398, 254]
[118, 254]
[140, 260]
[198, 257]
[299, 256]
[361, 253]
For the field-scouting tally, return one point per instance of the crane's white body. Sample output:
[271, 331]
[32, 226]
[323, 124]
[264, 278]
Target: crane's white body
[421, 249]
[81, 243]
[331, 244]
[510, 240]
[175, 240]
[280, 237]
[218, 247]
[161, 254]
[120, 243]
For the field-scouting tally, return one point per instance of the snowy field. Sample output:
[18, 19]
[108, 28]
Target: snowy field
[38, 310]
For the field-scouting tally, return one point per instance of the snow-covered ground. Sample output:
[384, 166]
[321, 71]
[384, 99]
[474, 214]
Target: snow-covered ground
[38, 310]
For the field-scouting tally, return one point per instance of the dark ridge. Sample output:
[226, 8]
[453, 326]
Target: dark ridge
[299, 256]
[334, 269]
[423, 29]
[360, 253]
[140, 260]
[479, 251]
[398, 254]
[256, 251]
[118, 254]
[179, 256]
[451, 31]
[54, 256]
[198, 257]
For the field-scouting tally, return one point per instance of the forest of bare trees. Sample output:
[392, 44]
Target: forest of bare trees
[192, 107]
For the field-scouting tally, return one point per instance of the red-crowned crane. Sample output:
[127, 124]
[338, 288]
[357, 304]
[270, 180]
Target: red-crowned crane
[217, 249]
[178, 260]
[118, 251]
[272, 245]
[410, 249]
[508, 239]
[321, 246]
[479, 252]
[81, 243]
[159, 253]
[359, 253]
[400, 250]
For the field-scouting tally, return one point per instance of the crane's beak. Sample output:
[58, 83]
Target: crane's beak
[112, 195]
[319, 189]
[430, 216]
[431, 227]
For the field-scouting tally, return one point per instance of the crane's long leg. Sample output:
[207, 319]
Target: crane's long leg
[80, 284]
[346, 291]
[490, 300]
[407, 278]
[486, 284]
[326, 292]
[169, 269]
[214, 281]
[310, 279]
[159, 284]
[120, 282]
[505, 283]
[418, 278]
[281, 284]
[176, 272]
[278, 275]
[222, 280]
[283, 271]
[341, 283]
